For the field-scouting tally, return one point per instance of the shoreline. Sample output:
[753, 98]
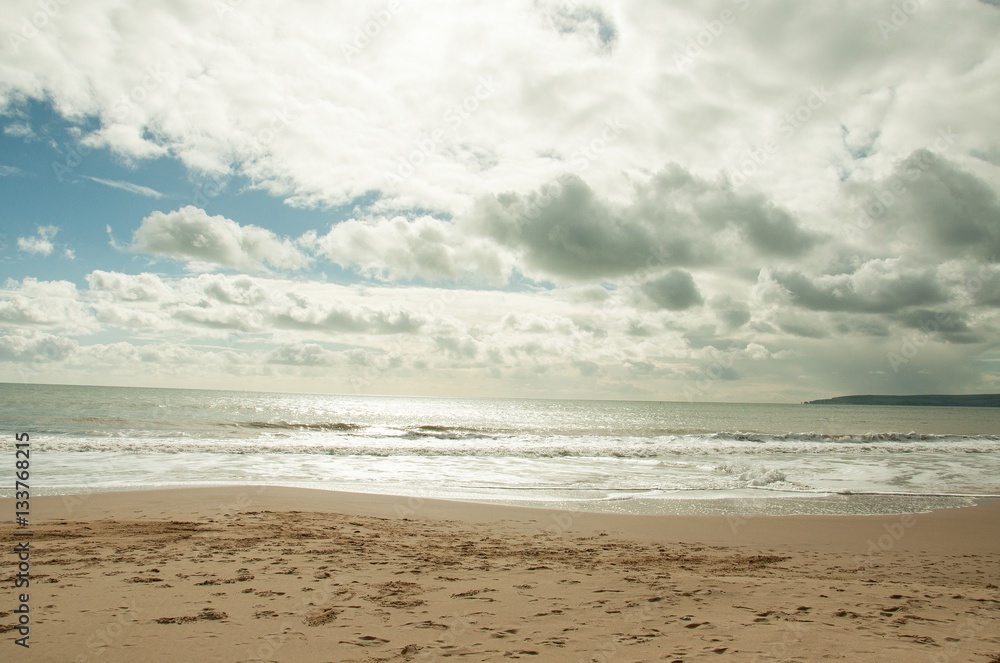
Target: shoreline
[962, 524]
[746, 503]
[263, 573]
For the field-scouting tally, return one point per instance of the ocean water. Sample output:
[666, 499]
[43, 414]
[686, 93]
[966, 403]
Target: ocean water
[621, 456]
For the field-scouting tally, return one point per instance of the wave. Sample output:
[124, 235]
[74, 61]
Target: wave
[365, 430]
[754, 477]
[299, 426]
[339, 439]
[846, 438]
[448, 433]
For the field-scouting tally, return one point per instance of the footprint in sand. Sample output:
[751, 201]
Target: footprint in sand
[320, 617]
[365, 641]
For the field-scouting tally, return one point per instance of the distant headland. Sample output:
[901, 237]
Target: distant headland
[945, 400]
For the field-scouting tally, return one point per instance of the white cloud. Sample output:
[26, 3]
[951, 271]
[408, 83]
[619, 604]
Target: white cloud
[127, 186]
[128, 287]
[19, 130]
[425, 248]
[324, 130]
[29, 345]
[49, 304]
[190, 234]
[41, 243]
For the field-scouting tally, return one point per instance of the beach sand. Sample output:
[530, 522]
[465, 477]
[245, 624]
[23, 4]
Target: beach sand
[282, 574]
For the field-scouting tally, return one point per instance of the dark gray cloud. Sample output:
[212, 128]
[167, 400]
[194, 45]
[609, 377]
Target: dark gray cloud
[948, 325]
[674, 290]
[990, 154]
[880, 292]
[731, 313]
[568, 231]
[939, 209]
[770, 230]
[797, 326]
[984, 288]
[675, 220]
[861, 325]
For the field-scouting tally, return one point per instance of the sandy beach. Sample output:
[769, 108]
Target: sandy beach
[280, 574]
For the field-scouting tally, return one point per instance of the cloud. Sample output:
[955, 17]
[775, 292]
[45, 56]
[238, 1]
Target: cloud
[19, 130]
[9, 171]
[219, 303]
[673, 219]
[190, 234]
[949, 325]
[587, 22]
[127, 186]
[41, 243]
[771, 231]
[570, 232]
[49, 304]
[954, 212]
[32, 346]
[305, 314]
[878, 286]
[425, 248]
[128, 287]
[302, 354]
[400, 339]
[674, 291]
[732, 314]
[328, 131]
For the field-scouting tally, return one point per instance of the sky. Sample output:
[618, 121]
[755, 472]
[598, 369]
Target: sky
[728, 200]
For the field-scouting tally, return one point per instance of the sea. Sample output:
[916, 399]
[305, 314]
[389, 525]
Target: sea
[609, 456]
